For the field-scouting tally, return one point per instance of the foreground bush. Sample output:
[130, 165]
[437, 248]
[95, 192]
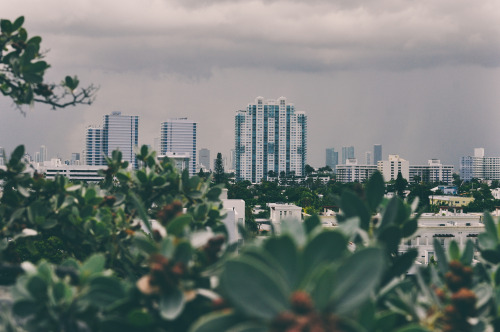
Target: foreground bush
[117, 270]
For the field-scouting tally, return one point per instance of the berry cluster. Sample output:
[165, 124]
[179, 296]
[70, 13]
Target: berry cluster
[303, 317]
[169, 212]
[163, 277]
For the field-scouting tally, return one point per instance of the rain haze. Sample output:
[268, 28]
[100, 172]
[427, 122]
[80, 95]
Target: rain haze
[422, 78]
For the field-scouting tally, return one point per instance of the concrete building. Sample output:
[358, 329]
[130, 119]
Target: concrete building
[479, 166]
[73, 172]
[368, 158]
[377, 153]
[354, 172]
[204, 159]
[270, 136]
[332, 159]
[281, 212]
[121, 132]
[3, 158]
[94, 155]
[455, 201]
[347, 153]
[433, 172]
[179, 135]
[391, 167]
[180, 161]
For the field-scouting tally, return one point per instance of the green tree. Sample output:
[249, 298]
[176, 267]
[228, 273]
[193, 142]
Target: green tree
[400, 185]
[22, 72]
[219, 175]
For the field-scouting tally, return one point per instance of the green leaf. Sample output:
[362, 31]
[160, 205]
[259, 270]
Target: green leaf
[167, 247]
[6, 26]
[35, 40]
[325, 248]
[353, 206]
[250, 327]
[410, 227]
[178, 225]
[214, 193]
[375, 189]
[37, 287]
[454, 251]
[33, 78]
[413, 328]
[442, 261]
[172, 304]
[263, 295]
[490, 226]
[294, 229]
[183, 252]
[284, 251]
[94, 264]
[144, 243]
[468, 253]
[323, 284]
[394, 212]
[141, 175]
[16, 156]
[139, 318]
[390, 237]
[357, 278]
[311, 223]
[104, 291]
[492, 256]
[18, 23]
[24, 308]
[487, 241]
[140, 210]
[35, 68]
[216, 321]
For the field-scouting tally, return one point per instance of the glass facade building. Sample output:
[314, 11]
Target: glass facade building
[179, 136]
[270, 136]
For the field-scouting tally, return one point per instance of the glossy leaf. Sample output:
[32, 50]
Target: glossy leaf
[375, 189]
[216, 321]
[172, 304]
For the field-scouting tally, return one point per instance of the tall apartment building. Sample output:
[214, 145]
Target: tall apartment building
[332, 159]
[347, 153]
[178, 136]
[94, 146]
[433, 172]
[205, 158]
[391, 167]
[377, 153]
[2, 156]
[121, 132]
[479, 166]
[270, 136]
[368, 158]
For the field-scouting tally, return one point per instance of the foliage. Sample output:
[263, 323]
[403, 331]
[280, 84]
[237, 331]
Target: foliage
[145, 250]
[22, 72]
[219, 175]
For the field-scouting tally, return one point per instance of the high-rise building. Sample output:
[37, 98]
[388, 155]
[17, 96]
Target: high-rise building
[44, 156]
[179, 136]
[94, 139]
[332, 158]
[368, 158]
[377, 153]
[351, 171]
[205, 158]
[121, 132]
[270, 136]
[479, 166]
[347, 153]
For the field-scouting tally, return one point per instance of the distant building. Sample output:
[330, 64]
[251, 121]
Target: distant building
[73, 172]
[179, 135]
[377, 153]
[180, 160]
[270, 136]
[121, 132]
[351, 171]
[2, 156]
[234, 216]
[94, 155]
[368, 158]
[433, 172]
[479, 166]
[205, 158]
[332, 159]
[456, 201]
[347, 153]
[394, 165]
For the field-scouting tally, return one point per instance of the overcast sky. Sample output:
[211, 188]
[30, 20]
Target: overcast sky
[422, 78]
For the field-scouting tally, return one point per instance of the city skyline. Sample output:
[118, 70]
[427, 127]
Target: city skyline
[426, 89]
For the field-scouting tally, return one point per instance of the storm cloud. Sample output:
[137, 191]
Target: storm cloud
[419, 77]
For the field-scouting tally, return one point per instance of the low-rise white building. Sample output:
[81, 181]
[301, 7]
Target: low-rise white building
[433, 172]
[280, 212]
[394, 165]
[54, 167]
[351, 171]
[235, 215]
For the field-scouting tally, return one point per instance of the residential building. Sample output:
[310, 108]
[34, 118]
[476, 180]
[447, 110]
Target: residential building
[455, 201]
[73, 172]
[270, 136]
[3, 159]
[351, 171]
[205, 158]
[377, 153]
[332, 159]
[479, 166]
[94, 146]
[180, 160]
[394, 165]
[179, 135]
[433, 172]
[234, 216]
[347, 153]
[121, 132]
